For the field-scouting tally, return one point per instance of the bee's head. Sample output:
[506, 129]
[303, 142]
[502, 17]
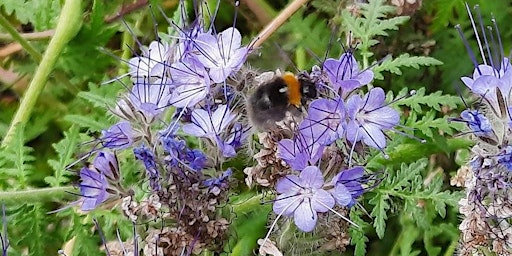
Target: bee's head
[308, 86]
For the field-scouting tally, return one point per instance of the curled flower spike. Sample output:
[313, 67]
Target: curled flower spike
[221, 54]
[303, 197]
[145, 155]
[344, 74]
[369, 117]
[486, 207]
[118, 136]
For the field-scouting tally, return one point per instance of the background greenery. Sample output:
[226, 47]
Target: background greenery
[413, 211]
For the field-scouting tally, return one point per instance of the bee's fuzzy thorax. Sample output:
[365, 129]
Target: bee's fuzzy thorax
[294, 90]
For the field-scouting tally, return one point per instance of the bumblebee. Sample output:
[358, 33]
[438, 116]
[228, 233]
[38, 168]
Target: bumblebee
[273, 98]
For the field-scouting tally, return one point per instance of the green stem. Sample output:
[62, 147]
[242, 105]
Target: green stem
[396, 245]
[35, 195]
[22, 41]
[69, 23]
[451, 249]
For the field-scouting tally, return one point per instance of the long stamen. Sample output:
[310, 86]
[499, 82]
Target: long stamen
[476, 33]
[502, 54]
[479, 16]
[468, 48]
[337, 213]
[277, 218]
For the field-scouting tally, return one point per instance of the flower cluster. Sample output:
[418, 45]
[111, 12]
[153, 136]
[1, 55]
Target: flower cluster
[309, 159]
[190, 80]
[183, 118]
[486, 207]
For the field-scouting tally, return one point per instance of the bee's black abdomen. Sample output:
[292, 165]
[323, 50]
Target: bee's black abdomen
[269, 103]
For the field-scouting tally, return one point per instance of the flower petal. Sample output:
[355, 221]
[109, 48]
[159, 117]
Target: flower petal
[305, 217]
[322, 201]
[311, 177]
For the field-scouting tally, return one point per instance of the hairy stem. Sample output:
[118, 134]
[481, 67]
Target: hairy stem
[69, 23]
[35, 195]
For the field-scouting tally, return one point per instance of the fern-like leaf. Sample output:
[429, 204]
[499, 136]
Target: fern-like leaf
[15, 161]
[64, 149]
[432, 101]
[371, 23]
[408, 185]
[404, 60]
[357, 236]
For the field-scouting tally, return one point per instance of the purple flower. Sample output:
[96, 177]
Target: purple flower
[222, 54]
[503, 73]
[196, 158]
[180, 153]
[211, 125]
[325, 121]
[93, 188]
[347, 186]
[191, 82]
[151, 63]
[303, 197]
[145, 155]
[150, 98]
[505, 157]
[344, 74]
[238, 134]
[477, 122]
[215, 185]
[369, 117]
[300, 152]
[488, 79]
[186, 46]
[118, 136]
[106, 163]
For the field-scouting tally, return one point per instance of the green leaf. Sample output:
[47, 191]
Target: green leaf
[85, 121]
[42, 14]
[85, 242]
[82, 57]
[357, 236]
[435, 101]
[65, 149]
[379, 213]
[100, 97]
[371, 23]
[15, 161]
[404, 60]
[29, 226]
